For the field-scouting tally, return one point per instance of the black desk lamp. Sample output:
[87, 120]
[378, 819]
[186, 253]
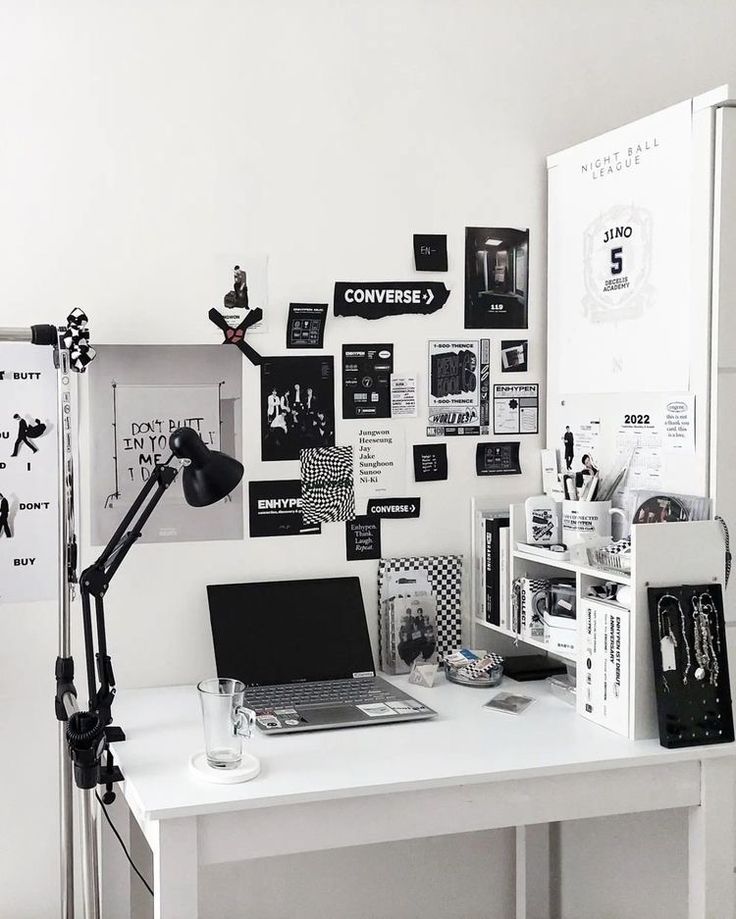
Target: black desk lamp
[207, 477]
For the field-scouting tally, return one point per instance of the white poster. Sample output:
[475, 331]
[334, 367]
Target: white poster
[379, 458]
[28, 474]
[516, 408]
[619, 232]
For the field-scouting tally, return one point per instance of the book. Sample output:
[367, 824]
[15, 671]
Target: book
[494, 528]
[504, 563]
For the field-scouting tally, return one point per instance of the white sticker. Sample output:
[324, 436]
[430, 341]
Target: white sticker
[403, 396]
[376, 709]
[401, 707]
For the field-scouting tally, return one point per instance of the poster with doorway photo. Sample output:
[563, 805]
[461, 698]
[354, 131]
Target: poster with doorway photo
[496, 278]
[139, 395]
[297, 405]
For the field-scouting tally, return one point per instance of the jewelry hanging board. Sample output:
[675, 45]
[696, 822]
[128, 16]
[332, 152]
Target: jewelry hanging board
[692, 682]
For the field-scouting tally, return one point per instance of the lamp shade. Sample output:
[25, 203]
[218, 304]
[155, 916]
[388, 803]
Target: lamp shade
[209, 475]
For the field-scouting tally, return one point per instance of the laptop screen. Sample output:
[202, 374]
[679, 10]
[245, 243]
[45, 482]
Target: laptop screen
[290, 631]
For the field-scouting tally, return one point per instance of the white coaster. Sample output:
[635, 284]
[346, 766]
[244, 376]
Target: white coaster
[247, 770]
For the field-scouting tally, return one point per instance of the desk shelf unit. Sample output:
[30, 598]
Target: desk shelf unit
[662, 554]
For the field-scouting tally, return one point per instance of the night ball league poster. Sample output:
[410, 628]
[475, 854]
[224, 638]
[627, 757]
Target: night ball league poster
[619, 230]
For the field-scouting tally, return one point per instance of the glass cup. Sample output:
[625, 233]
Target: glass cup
[227, 722]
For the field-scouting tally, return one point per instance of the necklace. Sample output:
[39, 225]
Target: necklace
[703, 644]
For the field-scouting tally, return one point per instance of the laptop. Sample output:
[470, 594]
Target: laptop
[302, 649]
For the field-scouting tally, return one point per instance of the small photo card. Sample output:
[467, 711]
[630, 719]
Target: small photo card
[509, 702]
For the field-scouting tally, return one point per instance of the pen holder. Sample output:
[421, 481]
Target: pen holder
[587, 521]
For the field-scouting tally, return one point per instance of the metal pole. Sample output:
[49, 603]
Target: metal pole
[90, 868]
[66, 780]
[7, 334]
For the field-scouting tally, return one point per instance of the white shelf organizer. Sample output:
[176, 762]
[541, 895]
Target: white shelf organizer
[663, 554]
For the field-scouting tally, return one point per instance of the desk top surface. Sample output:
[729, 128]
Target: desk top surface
[467, 743]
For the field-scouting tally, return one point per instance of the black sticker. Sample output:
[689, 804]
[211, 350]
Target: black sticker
[362, 538]
[515, 356]
[496, 278]
[430, 462]
[393, 508]
[305, 326]
[430, 252]
[275, 509]
[375, 300]
[500, 458]
[366, 380]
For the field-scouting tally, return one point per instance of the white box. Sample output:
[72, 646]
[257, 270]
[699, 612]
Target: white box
[603, 685]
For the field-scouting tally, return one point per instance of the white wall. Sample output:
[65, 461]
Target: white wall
[138, 139]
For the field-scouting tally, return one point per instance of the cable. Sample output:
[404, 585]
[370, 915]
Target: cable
[122, 844]
[727, 540]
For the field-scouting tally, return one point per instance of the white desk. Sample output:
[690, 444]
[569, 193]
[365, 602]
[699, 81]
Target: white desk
[470, 769]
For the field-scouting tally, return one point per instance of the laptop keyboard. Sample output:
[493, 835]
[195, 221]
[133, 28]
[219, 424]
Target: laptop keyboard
[330, 692]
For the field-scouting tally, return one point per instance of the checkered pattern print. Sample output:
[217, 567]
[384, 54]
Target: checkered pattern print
[327, 484]
[445, 576]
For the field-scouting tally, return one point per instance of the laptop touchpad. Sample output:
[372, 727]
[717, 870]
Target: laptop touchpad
[339, 714]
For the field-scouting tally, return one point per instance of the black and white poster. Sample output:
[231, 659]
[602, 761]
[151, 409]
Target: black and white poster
[430, 252]
[305, 327]
[430, 462]
[297, 405]
[496, 278]
[378, 299]
[366, 380]
[515, 356]
[459, 388]
[275, 509]
[516, 408]
[328, 490]
[363, 538]
[28, 474]
[139, 395]
[497, 458]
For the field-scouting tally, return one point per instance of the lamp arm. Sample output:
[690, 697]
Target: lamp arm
[88, 744]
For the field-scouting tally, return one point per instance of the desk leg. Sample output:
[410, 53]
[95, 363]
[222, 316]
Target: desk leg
[533, 889]
[711, 842]
[175, 868]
